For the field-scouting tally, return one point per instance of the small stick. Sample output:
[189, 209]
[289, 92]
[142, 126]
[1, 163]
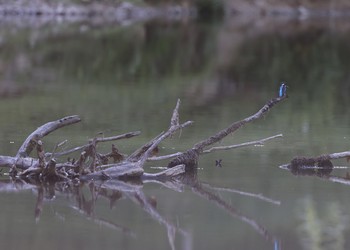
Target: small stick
[98, 139]
[144, 152]
[28, 146]
[245, 144]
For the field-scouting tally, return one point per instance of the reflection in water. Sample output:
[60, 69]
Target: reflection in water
[114, 190]
[326, 231]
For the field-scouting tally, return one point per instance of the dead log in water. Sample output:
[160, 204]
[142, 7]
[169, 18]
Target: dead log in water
[93, 165]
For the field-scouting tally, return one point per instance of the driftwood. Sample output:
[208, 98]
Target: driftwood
[92, 165]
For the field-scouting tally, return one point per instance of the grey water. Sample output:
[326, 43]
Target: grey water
[128, 78]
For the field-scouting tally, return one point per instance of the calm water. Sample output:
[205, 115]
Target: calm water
[121, 79]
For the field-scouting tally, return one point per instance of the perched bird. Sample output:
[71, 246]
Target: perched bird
[283, 90]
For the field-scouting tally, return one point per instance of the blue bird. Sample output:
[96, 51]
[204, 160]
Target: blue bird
[283, 90]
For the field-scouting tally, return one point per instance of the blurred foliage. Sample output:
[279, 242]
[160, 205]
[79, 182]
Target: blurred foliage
[123, 55]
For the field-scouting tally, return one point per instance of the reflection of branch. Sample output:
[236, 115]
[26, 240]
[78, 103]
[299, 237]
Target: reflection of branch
[258, 142]
[106, 223]
[258, 196]
[342, 180]
[140, 198]
[197, 189]
[39, 203]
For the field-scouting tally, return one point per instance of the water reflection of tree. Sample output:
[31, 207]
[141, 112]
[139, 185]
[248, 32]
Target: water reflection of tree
[114, 190]
[326, 231]
[321, 232]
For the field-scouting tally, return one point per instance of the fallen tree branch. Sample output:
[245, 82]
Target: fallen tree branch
[94, 165]
[21, 163]
[190, 157]
[29, 144]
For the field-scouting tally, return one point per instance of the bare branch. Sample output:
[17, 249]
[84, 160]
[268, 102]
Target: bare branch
[21, 163]
[245, 144]
[199, 147]
[42, 131]
[190, 157]
[140, 151]
[145, 151]
[98, 139]
[339, 155]
[156, 142]
[175, 117]
[118, 137]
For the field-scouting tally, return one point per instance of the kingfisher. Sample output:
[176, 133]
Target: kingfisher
[283, 90]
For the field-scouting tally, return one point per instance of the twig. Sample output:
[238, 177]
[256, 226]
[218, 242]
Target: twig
[98, 139]
[52, 155]
[144, 153]
[171, 131]
[28, 145]
[137, 154]
[245, 144]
